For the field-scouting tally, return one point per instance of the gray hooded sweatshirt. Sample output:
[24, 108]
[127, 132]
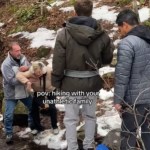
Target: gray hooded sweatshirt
[13, 89]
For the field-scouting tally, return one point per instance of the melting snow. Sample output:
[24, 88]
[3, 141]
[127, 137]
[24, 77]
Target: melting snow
[105, 95]
[1, 117]
[117, 42]
[1, 24]
[24, 134]
[53, 141]
[144, 14]
[42, 37]
[108, 122]
[104, 13]
[66, 9]
[105, 70]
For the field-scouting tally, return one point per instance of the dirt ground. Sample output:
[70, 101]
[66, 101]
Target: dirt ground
[27, 143]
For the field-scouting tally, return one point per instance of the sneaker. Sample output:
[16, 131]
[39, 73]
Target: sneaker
[55, 131]
[9, 139]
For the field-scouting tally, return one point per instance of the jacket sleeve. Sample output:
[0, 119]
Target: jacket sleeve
[107, 52]
[58, 62]
[123, 70]
[9, 75]
[23, 77]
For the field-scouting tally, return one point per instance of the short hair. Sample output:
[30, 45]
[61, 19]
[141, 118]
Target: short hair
[37, 65]
[83, 7]
[10, 44]
[127, 16]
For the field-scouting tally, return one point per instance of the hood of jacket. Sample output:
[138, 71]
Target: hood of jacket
[142, 32]
[83, 29]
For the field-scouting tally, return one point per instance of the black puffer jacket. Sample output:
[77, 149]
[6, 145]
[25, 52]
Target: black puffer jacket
[132, 73]
[79, 42]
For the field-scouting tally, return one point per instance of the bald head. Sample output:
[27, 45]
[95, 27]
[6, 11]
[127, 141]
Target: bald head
[15, 50]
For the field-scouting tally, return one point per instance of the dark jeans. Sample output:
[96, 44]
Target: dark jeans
[129, 127]
[38, 101]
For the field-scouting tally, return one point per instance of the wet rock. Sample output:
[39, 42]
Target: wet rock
[16, 129]
[43, 52]
[112, 139]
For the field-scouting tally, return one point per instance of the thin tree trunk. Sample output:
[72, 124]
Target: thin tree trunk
[135, 8]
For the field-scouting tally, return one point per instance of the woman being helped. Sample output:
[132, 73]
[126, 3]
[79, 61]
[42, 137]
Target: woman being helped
[38, 79]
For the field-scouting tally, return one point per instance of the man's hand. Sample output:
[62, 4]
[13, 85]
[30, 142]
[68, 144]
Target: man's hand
[118, 107]
[29, 86]
[23, 68]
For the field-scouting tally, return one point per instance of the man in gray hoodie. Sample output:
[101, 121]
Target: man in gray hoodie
[13, 89]
[132, 80]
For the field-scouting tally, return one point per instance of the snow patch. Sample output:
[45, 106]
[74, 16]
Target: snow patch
[57, 3]
[115, 52]
[1, 117]
[52, 141]
[50, 61]
[67, 9]
[105, 70]
[104, 13]
[1, 24]
[114, 29]
[24, 134]
[60, 107]
[144, 14]
[109, 121]
[42, 37]
[105, 95]
[116, 42]
[111, 35]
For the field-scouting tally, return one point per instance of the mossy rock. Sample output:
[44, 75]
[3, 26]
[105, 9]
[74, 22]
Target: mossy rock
[123, 2]
[43, 52]
[147, 23]
[20, 108]
[80, 133]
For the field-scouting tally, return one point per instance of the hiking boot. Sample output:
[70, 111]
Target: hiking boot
[55, 131]
[9, 139]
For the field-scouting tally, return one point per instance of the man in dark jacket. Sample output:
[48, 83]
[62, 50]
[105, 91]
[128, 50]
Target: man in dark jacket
[132, 76]
[81, 48]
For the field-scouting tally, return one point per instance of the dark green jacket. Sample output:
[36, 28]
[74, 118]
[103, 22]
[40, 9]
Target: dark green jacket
[79, 45]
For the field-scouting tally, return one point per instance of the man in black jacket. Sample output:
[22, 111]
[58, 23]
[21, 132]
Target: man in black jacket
[80, 50]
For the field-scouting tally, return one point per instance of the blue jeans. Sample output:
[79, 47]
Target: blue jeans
[10, 105]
